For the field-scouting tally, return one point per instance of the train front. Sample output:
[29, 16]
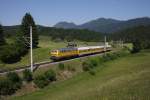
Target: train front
[54, 54]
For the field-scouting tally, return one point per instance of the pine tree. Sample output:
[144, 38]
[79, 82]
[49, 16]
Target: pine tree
[28, 21]
[2, 40]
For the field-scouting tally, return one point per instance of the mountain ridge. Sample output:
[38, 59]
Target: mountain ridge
[105, 25]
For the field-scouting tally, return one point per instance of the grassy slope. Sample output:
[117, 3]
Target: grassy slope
[41, 53]
[125, 78]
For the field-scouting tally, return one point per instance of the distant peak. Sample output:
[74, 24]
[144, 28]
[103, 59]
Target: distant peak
[106, 24]
[65, 24]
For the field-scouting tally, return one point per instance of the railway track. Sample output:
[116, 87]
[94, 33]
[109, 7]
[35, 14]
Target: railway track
[43, 64]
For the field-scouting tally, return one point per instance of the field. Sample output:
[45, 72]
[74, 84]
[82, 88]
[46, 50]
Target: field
[126, 78]
[42, 53]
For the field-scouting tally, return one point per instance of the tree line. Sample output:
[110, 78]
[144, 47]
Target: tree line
[60, 33]
[139, 36]
[70, 34]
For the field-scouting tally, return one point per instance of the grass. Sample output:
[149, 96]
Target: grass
[126, 78]
[40, 54]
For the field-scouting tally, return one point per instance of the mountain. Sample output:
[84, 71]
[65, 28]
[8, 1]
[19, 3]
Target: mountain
[99, 25]
[65, 25]
[106, 25]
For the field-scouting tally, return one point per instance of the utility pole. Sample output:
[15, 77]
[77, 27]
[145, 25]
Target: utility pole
[122, 43]
[31, 52]
[105, 45]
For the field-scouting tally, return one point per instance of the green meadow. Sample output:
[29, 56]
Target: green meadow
[125, 78]
[42, 53]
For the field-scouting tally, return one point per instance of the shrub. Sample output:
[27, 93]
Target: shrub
[123, 52]
[10, 84]
[136, 46]
[6, 87]
[41, 81]
[12, 53]
[100, 60]
[109, 56]
[114, 56]
[86, 66]
[106, 57]
[27, 75]
[9, 54]
[15, 79]
[50, 75]
[61, 66]
[70, 68]
[93, 63]
[92, 72]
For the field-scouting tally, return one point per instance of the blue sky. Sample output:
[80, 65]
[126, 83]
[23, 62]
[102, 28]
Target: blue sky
[49, 12]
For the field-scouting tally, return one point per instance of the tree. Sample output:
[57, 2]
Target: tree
[9, 54]
[2, 40]
[136, 46]
[28, 21]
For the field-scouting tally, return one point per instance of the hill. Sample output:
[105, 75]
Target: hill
[105, 25]
[65, 25]
[10, 30]
[122, 79]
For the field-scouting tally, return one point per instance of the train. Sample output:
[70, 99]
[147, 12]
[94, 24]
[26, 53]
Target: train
[69, 52]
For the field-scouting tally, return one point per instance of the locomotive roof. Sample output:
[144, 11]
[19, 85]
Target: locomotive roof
[66, 49]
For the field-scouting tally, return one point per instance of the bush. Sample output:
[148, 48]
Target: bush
[61, 66]
[6, 87]
[9, 54]
[27, 75]
[86, 66]
[136, 46]
[70, 68]
[50, 75]
[93, 62]
[106, 57]
[12, 53]
[41, 81]
[15, 79]
[100, 60]
[9, 84]
[92, 72]
[110, 56]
